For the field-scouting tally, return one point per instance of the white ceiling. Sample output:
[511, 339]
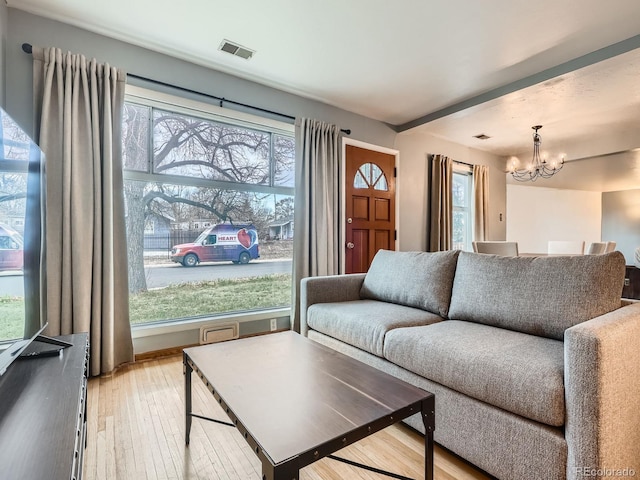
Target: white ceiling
[591, 116]
[400, 61]
[573, 108]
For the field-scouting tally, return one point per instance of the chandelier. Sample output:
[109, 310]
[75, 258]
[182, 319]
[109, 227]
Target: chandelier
[539, 167]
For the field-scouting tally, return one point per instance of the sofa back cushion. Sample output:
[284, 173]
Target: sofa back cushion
[414, 279]
[538, 295]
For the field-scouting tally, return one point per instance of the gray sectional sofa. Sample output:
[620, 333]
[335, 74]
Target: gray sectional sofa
[534, 361]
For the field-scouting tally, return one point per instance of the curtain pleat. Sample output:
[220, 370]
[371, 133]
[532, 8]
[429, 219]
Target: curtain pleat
[317, 205]
[481, 203]
[79, 106]
[441, 203]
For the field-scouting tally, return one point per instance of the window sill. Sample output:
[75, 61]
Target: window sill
[158, 336]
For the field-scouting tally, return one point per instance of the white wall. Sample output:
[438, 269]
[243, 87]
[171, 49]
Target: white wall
[412, 185]
[621, 221]
[536, 215]
[27, 28]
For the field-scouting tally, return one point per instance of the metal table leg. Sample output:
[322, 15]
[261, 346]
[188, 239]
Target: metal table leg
[428, 418]
[187, 397]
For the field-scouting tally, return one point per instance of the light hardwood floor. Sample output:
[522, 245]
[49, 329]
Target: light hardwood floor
[136, 432]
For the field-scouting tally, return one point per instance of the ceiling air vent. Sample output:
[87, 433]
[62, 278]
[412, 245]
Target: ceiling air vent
[482, 136]
[235, 49]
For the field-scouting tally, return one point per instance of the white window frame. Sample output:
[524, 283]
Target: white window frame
[185, 106]
[154, 333]
[466, 171]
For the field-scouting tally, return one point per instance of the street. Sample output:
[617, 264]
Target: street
[161, 276]
[158, 276]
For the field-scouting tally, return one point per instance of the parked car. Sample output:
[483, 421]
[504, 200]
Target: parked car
[222, 242]
[11, 249]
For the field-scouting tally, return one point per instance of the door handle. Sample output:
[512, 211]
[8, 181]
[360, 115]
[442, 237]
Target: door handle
[350, 245]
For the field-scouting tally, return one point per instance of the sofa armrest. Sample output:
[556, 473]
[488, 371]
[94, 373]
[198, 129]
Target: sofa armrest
[602, 391]
[331, 288]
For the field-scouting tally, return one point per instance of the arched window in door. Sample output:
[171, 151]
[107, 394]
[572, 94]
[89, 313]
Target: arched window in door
[370, 175]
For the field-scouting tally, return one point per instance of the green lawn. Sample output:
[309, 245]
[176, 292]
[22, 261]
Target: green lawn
[179, 301]
[11, 317]
[211, 297]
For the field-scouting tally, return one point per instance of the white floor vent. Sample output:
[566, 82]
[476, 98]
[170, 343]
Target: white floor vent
[218, 333]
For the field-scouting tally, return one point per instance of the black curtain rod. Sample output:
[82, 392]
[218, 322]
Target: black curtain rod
[27, 48]
[463, 163]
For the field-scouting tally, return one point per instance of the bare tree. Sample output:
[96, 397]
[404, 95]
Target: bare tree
[13, 185]
[284, 208]
[187, 146]
[135, 134]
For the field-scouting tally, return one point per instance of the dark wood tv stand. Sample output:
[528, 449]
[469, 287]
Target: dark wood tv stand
[43, 414]
[632, 283]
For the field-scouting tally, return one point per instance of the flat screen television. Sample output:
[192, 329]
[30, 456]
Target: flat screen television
[35, 346]
[22, 252]
[15, 349]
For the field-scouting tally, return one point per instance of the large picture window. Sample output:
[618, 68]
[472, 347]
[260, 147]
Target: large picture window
[209, 211]
[462, 210]
[15, 148]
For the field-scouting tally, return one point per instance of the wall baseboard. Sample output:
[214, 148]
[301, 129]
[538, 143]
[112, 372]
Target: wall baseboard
[156, 354]
[164, 336]
[173, 351]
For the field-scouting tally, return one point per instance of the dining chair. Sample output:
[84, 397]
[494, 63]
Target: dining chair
[611, 246]
[556, 247]
[506, 249]
[596, 248]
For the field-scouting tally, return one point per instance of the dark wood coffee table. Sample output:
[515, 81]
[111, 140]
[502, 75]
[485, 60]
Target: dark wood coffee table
[296, 401]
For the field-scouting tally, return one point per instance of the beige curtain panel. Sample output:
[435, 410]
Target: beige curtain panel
[79, 106]
[481, 203]
[441, 203]
[317, 249]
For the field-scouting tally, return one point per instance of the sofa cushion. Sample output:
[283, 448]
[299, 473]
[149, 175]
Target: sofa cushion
[364, 323]
[538, 295]
[415, 279]
[520, 373]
